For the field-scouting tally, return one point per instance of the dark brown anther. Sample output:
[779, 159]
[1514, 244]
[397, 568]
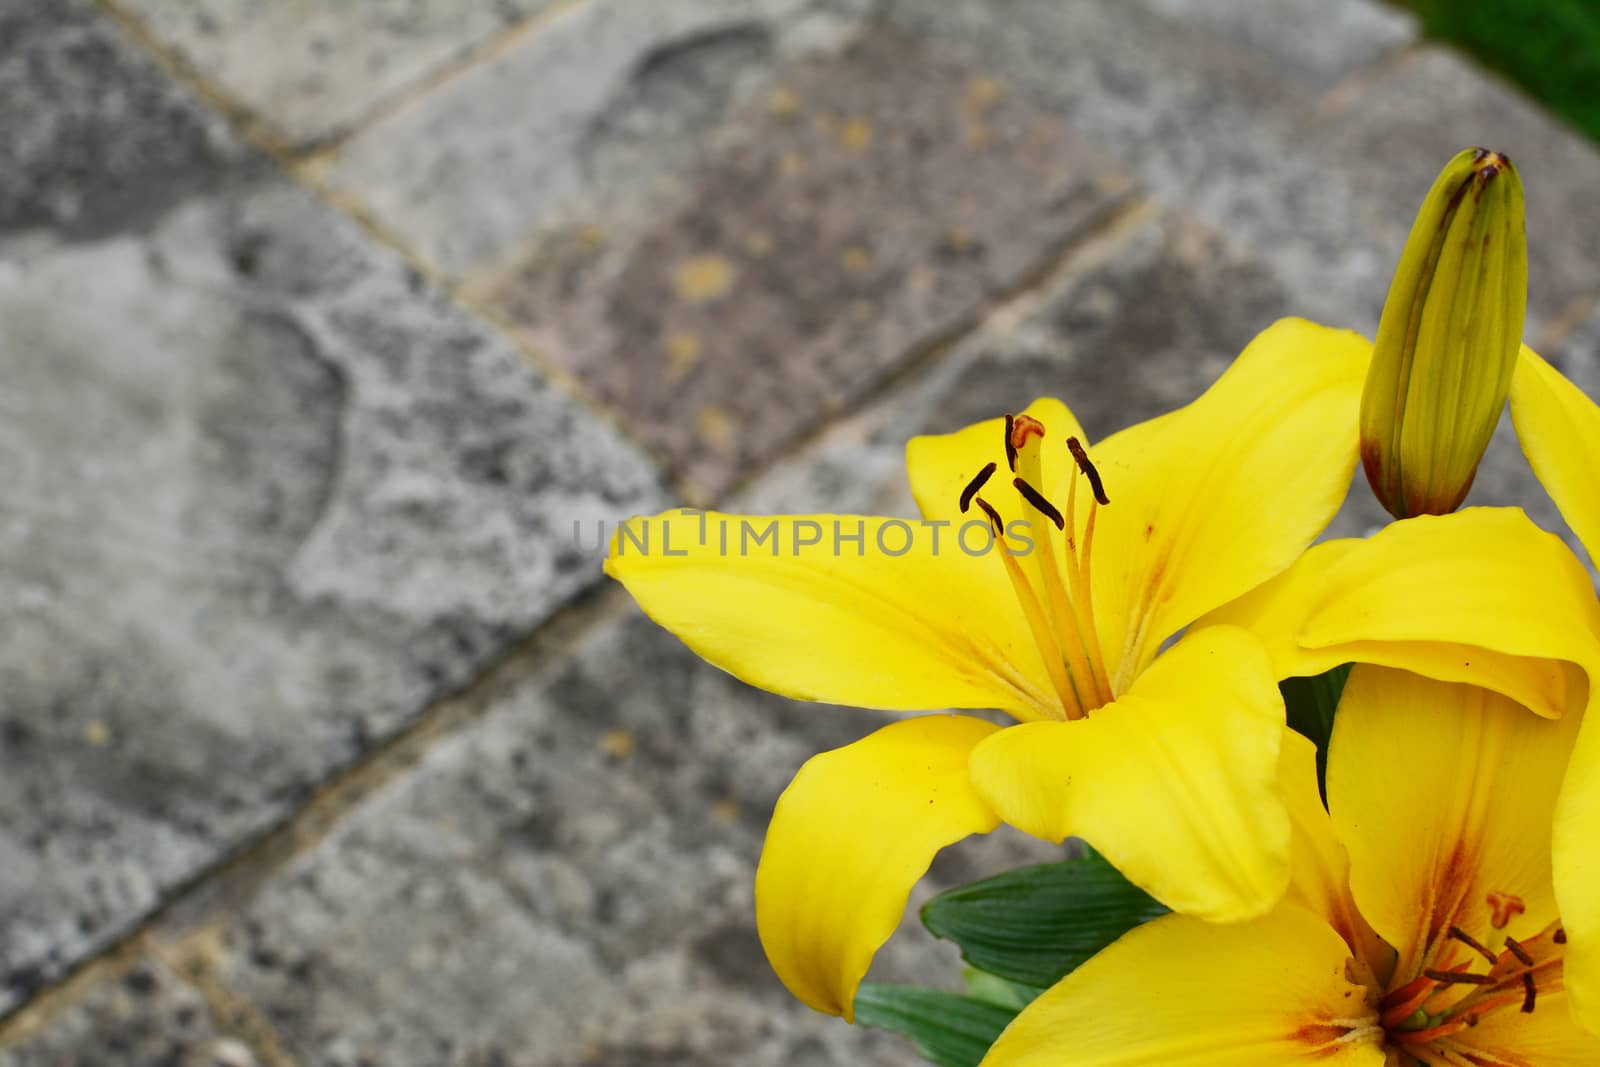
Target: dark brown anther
[973, 486]
[1458, 977]
[1560, 936]
[1076, 448]
[1530, 993]
[1011, 449]
[994, 517]
[1036, 498]
[1522, 954]
[1472, 943]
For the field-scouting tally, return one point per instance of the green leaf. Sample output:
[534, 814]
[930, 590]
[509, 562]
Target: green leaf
[1035, 925]
[992, 989]
[1310, 703]
[948, 1029]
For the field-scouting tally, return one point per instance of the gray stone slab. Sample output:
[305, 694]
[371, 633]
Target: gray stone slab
[1312, 42]
[142, 1017]
[1403, 124]
[605, 101]
[69, 158]
[567, 881]
[268, 495]
[871, 202]
[308, 70]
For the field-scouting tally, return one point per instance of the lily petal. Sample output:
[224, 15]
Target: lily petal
[812, 616]
[1547, 1036]
[1577, 871]
[1184, 993]
[1444, 794]
[1176, 783]
[1211, 500]
[1559, 429]
[939, 466]
[855, 830]
[1482, 596]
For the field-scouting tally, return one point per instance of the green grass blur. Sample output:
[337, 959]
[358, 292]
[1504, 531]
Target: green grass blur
[1549, 47]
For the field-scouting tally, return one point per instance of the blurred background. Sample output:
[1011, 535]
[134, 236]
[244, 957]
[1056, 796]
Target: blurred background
[333, 335]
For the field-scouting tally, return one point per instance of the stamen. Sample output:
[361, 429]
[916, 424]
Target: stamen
[1531, 993]
[1467, 939]
[1011, 449]
[1560, 936]
[994, 517]
[1516, 949]
[973, 486]
[1036, 498]
[1458, 977]
[1076, 448]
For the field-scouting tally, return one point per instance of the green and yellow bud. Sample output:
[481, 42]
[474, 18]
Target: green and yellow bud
[1448, 339]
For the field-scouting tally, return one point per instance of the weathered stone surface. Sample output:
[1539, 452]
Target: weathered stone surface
[1312, 43]
[867, 205]
[69, 158]
[143, 1016]
[267, 496]
[623, 93]
[309, 70]
[1405, 123]
[566, 881]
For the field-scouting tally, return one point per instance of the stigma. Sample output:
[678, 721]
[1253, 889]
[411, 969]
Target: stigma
[1047, 558]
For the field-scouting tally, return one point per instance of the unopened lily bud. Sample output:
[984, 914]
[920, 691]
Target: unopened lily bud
[1448, 339]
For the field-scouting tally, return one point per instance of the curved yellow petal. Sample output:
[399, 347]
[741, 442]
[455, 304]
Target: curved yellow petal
[1212, 499]
[1546, 1036]
[852, 834]
[1443, 794]
[1577, 871]
[1559, 429]
[846, 609]
[1183, 993]
[1176, 783]
[940, 466]
[1319, 867]
[1482, 596]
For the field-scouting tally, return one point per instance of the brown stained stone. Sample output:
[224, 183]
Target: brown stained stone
[869, 203]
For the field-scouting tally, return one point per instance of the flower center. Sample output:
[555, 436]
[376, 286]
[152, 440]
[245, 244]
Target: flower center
[1053, 590]
[1456, 995]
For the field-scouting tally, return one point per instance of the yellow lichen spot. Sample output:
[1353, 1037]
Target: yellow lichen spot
[758, 242]
[618, 744]
[592, 237]
[856, 259]
[782, 104]
[791, 163]
[725, 811]
[96, 733]
[958, 240]
[978, 135]
[714, 427]
[982, 95]
[703, 277]
[683, 352]
[856, 135]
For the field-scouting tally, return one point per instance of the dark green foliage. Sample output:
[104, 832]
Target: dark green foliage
[949, 1029]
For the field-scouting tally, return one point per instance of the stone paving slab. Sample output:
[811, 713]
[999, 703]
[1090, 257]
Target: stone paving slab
[269, 495]
[565, 881]
[309, 71]
[609, 100]
[869, 204]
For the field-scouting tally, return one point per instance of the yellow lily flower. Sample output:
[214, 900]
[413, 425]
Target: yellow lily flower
[1559, 428]
[1483, 597]
[1043, 584]
[1421, 926]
